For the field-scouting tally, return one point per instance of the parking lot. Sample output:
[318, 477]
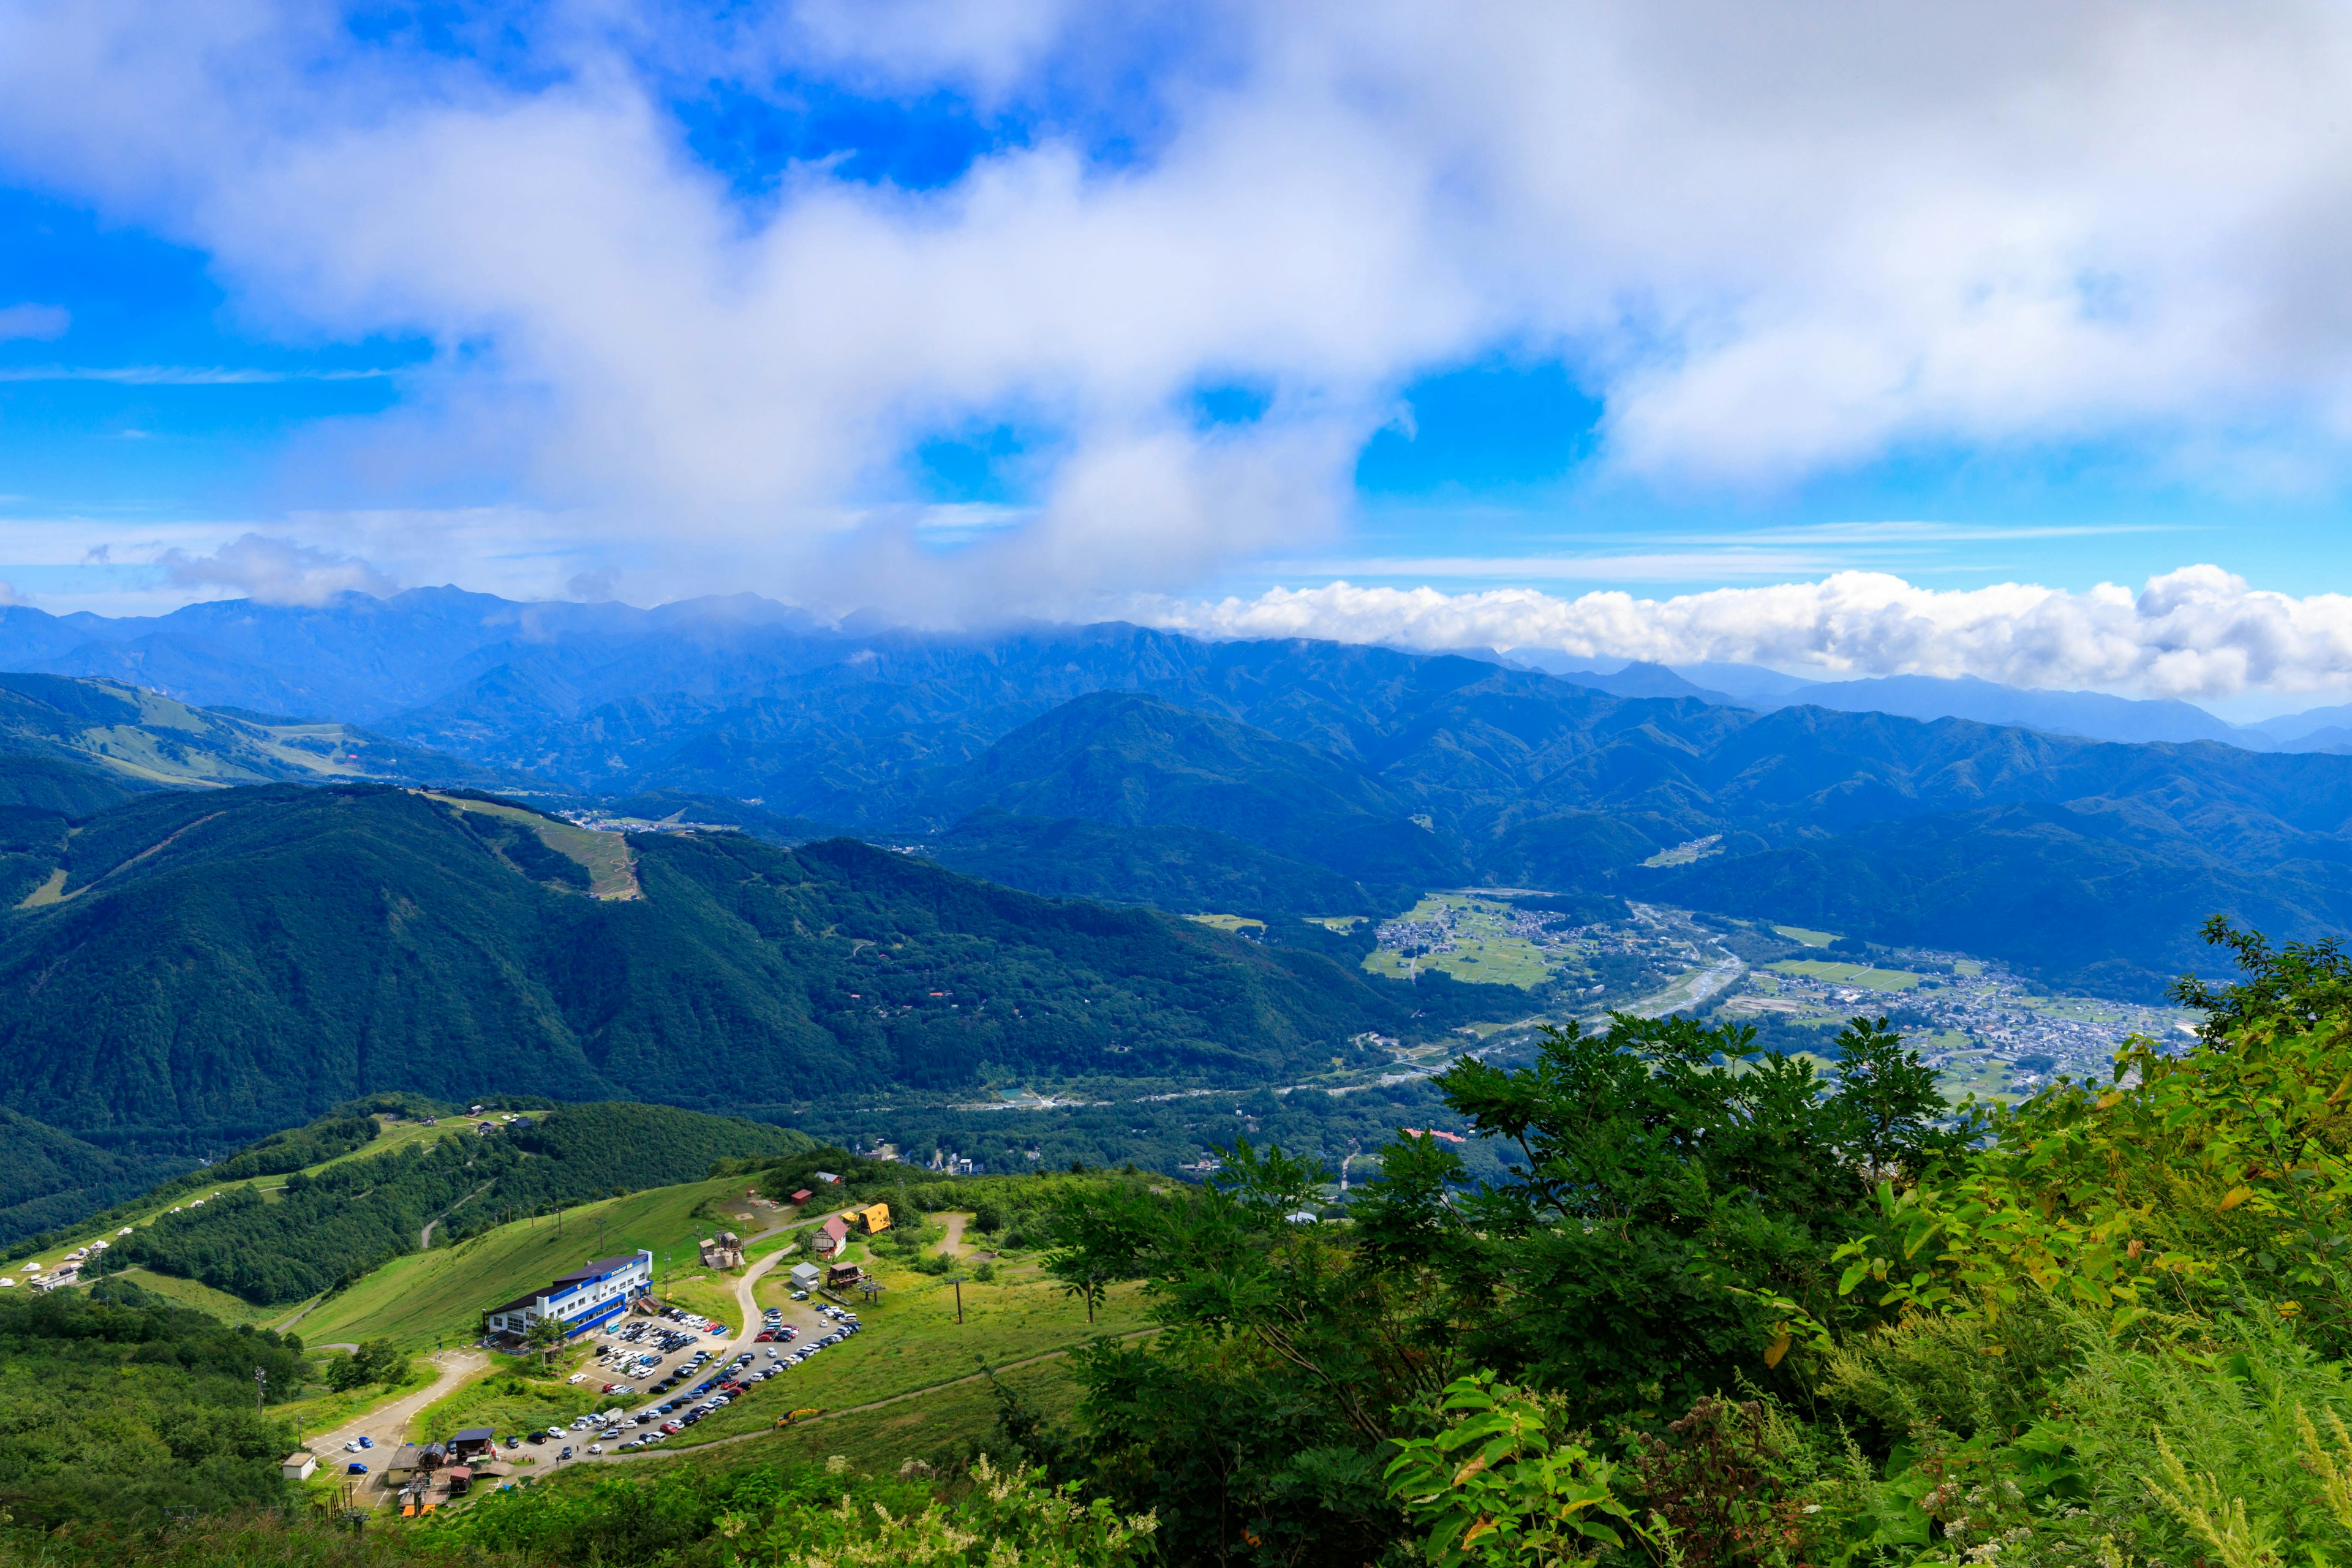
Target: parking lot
[667, 1373]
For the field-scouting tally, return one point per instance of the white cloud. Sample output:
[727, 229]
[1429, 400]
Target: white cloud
[274, 572]
[1774, 240]
[2195, 632]
[42, 322]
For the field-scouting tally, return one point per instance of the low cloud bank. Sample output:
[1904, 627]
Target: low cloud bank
[2195, 632]
[276, 571]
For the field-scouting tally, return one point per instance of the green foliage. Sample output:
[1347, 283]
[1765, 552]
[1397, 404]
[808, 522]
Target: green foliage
[378, 1361]
[1667, 1220]
[117, 1404]
[1500, 1484]
[49, 1179]
[806, 1516]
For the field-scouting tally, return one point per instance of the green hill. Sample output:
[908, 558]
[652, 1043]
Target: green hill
[144, 740]
[220, 965]
[49, 1178]
[331, 1226]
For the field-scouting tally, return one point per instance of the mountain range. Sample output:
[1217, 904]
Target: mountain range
[189, 968]
[805, 862]
[1289, 777]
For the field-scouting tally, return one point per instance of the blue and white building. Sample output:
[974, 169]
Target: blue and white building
[592, 1294]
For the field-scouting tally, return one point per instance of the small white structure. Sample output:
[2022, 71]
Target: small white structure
[298, 1464]
[805, 1275]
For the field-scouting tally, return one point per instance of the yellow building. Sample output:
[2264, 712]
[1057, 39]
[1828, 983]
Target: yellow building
[876, 1219]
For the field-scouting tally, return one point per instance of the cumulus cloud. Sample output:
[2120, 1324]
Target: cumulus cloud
[1772, 241]
[2195, 632]
[274, 572]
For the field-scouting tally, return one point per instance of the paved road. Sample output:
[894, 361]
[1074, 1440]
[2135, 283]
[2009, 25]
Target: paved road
[387, 1424]
[799, 1313]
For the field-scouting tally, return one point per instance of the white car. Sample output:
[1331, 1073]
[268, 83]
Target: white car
[351, 1447]
[596, 1448]
[577, 1377]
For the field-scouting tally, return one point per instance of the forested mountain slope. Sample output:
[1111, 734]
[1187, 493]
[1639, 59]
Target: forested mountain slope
[221, 965]
[1387, 772]
[2084, 860]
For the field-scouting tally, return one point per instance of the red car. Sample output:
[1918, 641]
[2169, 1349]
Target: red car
[763, 1337]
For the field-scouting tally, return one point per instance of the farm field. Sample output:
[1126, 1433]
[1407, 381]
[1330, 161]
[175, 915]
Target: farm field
[427, 1298]
[1227, 922]
[1809, 937]
[1860, 974]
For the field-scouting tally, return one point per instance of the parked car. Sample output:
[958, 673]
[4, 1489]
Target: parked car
[355, 1469]
[352, 1447]
[565, 1455]
[596, 1448]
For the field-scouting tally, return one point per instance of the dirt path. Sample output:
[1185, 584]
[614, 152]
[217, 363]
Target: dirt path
[301, 1312]
[954, 1243]
[387, 1424]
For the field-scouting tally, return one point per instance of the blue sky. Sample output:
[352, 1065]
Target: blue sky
[961, 310]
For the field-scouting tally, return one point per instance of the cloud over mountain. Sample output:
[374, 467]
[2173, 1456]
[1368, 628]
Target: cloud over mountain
[2195, 632]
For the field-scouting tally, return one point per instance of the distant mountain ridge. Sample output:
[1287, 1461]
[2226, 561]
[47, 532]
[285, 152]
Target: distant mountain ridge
[1385, 771]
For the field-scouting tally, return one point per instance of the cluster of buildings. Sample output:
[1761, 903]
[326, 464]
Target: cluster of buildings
[830, 1237]
[590, 1295]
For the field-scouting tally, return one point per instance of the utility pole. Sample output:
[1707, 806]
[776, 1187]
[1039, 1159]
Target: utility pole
[957, 1283]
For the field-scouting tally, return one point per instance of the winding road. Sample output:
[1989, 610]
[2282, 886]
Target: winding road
[387, 1424]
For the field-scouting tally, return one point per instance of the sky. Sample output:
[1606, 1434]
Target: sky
[2007, 340]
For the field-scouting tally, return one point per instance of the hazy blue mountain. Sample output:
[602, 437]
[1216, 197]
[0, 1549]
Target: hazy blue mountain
[1742, 681]
[2296, 729]
[2093, 714]
[1637, 678]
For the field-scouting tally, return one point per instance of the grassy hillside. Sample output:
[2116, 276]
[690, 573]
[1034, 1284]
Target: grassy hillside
[146, 740]
[223, 964]
[327, 1228]
[428, 1296]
